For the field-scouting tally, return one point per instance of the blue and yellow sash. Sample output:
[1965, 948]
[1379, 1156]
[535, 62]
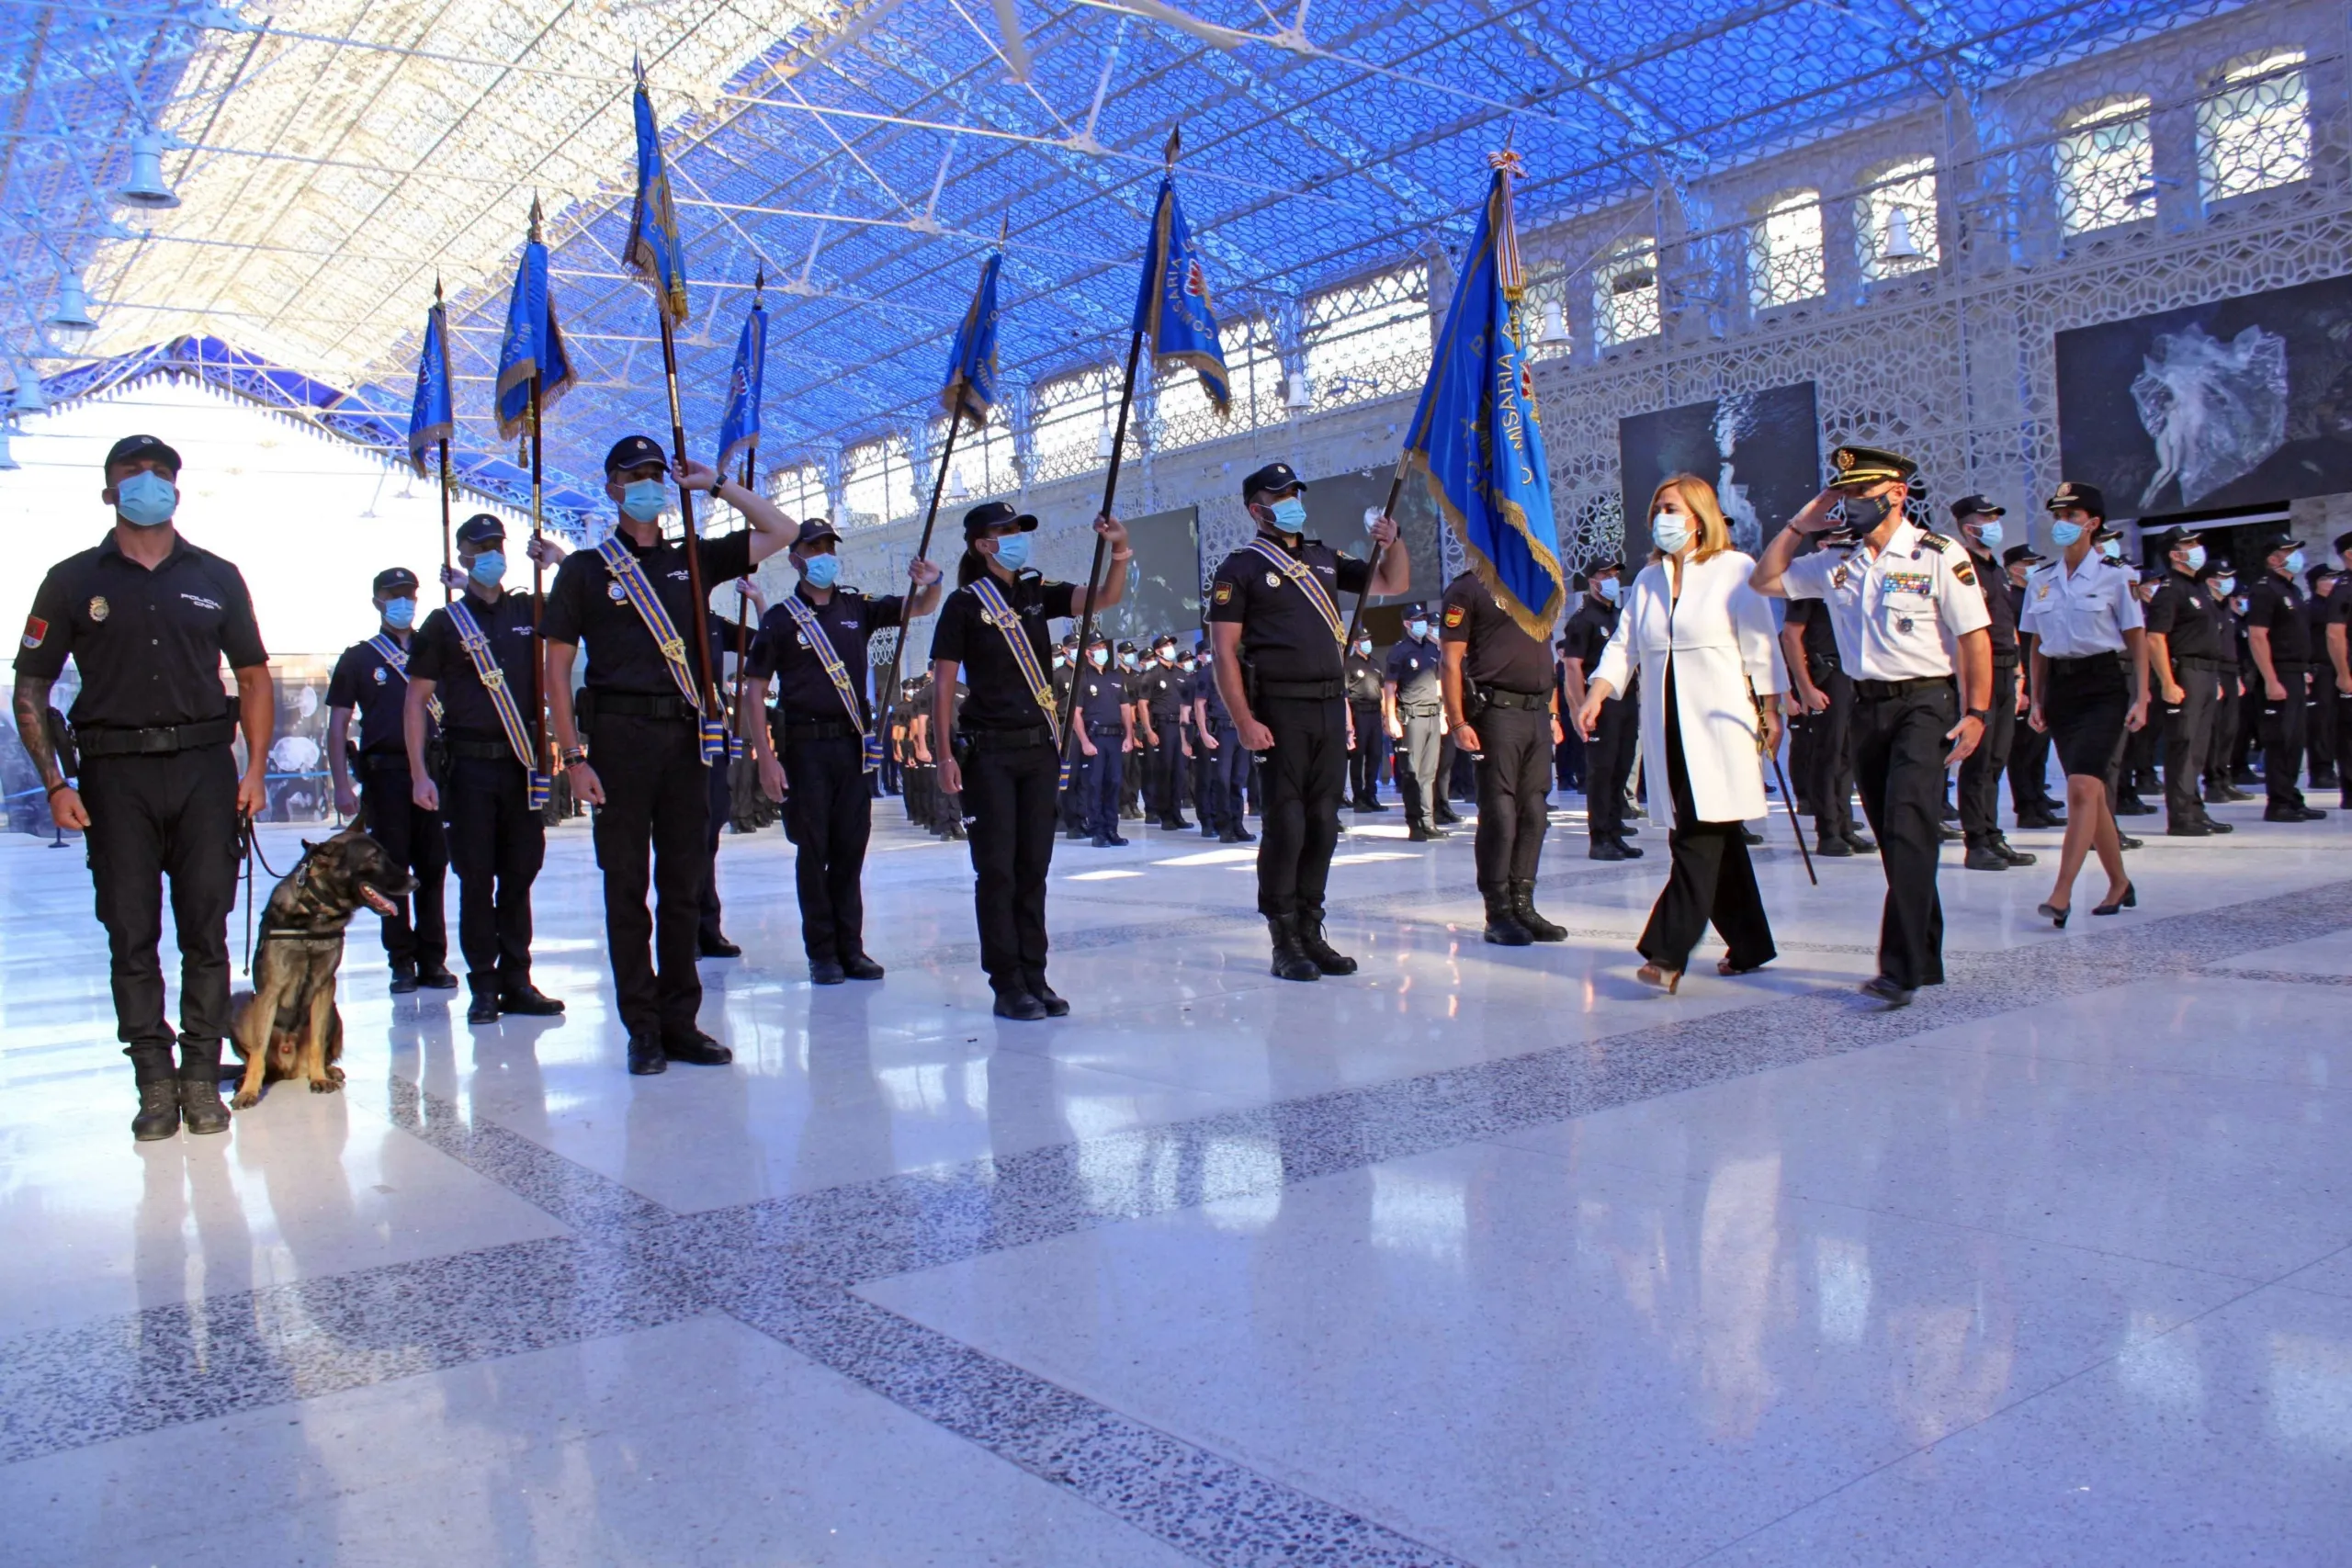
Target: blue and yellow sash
[501, 699]
[665, 632]
[812, 630]
[1298, 571]
[395, 658]
[1002, 615]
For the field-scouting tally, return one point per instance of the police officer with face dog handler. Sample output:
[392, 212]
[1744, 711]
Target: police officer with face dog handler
[1278, 633]
[147, 618]
[643, 761]
[1901, 605]
[372, 677]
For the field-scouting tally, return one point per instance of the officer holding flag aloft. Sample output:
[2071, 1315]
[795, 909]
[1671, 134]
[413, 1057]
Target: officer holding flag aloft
[645, 736]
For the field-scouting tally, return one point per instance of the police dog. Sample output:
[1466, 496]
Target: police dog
[288, 1025]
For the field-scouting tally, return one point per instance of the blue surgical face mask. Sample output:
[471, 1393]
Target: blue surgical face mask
[1364, 644]
[1012, 551]
[1290, 514]
[1127, 660]
[2111, 548]
[146, 499]
[1609, 589]
[1099, 657]
[1990, 534]
[2194, 556]
[488, 567]
[2063, 534]
[1417, 628]
[2225, 586]
[824, 570]
[642, 499]
[1669, 533]
[399, 612]
[2295, 563]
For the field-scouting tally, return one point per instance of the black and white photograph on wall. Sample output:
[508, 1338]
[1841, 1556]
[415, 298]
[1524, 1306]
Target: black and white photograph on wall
[2231, 404]
[1760, 450]
[1338, 504]
[1163, 580]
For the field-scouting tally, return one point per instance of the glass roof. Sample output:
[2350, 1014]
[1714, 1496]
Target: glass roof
[332, 157]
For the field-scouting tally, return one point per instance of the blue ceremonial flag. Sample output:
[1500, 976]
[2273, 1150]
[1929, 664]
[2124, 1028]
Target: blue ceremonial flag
[430, 418]
[1476, 439]
[1172, 305]
[653, 251]
[739, 426]
[970, 391]
[533, 344]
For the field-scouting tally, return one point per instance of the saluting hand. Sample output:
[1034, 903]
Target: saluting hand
[1815, 518]
[586, 787]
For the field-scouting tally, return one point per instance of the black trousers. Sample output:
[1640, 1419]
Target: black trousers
[1609, 763]
[1371, 749]
[414, 838]
[153, 818]
[1710, 879]
[1829, 783]
[657, 799]
[828, 818]
[1980, 772]
[1418, 758]
[496, 844]
[1514, 778]
[707, 910]
[2030, 772]
[1164, 769]
[2321, 740]
[1305, 774]
[1098, 780]
[1899, 763]
[2341, 703]
[2285, 727]
[2228, 710]
[2187, 736]
[1009, 794]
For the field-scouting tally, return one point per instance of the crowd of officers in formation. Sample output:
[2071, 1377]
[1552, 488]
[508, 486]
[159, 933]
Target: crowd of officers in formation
[1904, 650]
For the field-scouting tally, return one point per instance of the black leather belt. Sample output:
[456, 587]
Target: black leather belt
[643, 705]
[162, 740]
[1878, 691]
[1007, 740]
[2083, 665]
[383, 762]
[481, 750]
[1497, 697]
[818, 729]
[1105, 731]
[1303, 691]
[2199, 661]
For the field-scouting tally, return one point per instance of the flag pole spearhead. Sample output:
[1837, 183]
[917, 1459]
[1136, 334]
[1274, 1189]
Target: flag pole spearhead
[759, 284]
[534, 237]
[1175, 145]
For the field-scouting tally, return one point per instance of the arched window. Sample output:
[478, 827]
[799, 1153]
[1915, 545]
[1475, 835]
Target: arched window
[2253, 129]
[1624, 294]
[1785, 261]
[2106, 171]
[1898, 221]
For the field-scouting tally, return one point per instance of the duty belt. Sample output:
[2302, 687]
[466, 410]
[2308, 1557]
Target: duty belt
[1008, 740]
[644, 704]
[162, 740]
[1104, 731]
[818, 729]
[1303, 691]
[1419, 710]
[2199, 661]
[383, 762]
[1878, 691]
[1497, 697]
[482, 751]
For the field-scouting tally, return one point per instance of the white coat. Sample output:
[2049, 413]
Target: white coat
[1720, 637]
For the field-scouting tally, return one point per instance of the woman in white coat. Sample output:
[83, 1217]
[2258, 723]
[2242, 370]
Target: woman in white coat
[1703, 642]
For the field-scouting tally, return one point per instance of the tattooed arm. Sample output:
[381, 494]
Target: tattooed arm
[65, 806]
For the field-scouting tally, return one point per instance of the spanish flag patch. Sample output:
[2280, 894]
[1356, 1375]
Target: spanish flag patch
[36, 631]
[1454, 614]
[1224, 592]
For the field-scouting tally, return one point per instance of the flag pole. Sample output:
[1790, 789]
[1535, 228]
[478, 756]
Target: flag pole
[701, 632]
[1379, 549]
[742, 600]
[448, 594]
[538, 595]
[1157, 260]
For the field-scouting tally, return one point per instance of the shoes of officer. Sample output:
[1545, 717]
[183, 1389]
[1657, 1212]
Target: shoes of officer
[1048, 998]
[2128, 803]
[1369, 802]
[648, 1054]
[1502, 920]
[1996, 854]
[1030, 999]
[1879, 988]
[1175, 823]
[2041, 819]
[717, 947]
[1522, 904]
[436, 977]
[1859, 843]
[1290, 962]
[1424, 833]
[2225, 794]
[526, 1002]
[1109, 842]
[165, 1104]
[2292, 814]
[1833, 846]
[1236, 834]
[1445, 815]
[1612, 849]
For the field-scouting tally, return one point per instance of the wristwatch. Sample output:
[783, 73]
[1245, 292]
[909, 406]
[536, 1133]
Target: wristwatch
[1982, 715]
[574, 755]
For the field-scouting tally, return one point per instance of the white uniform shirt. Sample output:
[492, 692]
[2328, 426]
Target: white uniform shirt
[1899, 614]
[2077, 614]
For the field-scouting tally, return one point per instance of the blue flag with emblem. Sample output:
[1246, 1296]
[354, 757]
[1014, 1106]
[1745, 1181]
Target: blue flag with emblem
[655, 252]
[970, 391]
[533, 344]
[1172, 303]
[1474, 439]
[430, 418]
[739, 424]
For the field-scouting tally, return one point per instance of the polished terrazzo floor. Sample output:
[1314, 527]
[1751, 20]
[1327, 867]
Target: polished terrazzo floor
[1483, 1256]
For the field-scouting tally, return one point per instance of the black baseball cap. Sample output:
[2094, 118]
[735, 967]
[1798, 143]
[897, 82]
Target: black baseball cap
[481, 529]
[2342, 543]
[2324, 568]
[1969, 506]
[1274, 476]
[2025, 553]
[2281, 541]
[2072, 496]
[139, 448]
[2217, 566]
[1604, 569]
[2173, 539]
[1100, 638]
[632, 451]
[813, 529]
[395, 582]
[991, 515]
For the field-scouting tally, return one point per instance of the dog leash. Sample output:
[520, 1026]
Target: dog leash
[249, 851]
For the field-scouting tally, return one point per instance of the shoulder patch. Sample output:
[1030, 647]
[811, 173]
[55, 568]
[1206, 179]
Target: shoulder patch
[36, 631]
[1454, 614]
[1967, 573]
[1223, 593]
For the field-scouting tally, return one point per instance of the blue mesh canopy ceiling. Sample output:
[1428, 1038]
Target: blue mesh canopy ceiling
[332, 157]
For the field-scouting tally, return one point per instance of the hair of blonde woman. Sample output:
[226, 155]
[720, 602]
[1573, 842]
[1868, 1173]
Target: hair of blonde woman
[1697, 498]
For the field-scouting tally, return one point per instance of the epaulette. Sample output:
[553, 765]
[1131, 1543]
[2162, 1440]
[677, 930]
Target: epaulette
[2112, 560]
[1935, 542]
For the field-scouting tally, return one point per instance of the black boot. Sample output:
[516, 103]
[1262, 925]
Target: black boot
[1502, 922]
[403, 976]
[1522, 904]
[483, 1008]
[1321, 954]
[201, 1108]
[1291, 961]
[158, 1110]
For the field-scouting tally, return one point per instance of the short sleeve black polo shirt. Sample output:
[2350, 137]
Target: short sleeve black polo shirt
[781, 653]
[148, 643]
[1496, 651]
[586, 605]
[1000, 696]
[1284, 634]
[363, 680]
[436, 655]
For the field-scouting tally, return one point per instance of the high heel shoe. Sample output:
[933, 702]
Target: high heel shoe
[1668, 980]
[2131, 900]
[2055, 915]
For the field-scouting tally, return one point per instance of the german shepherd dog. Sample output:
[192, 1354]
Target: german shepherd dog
[288, 1023]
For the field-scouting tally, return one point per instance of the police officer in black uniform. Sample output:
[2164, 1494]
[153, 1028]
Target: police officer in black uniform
[474, 780]
[372, 677]
[1218, 742]
[147, 618]
[1821, 743]
[1158, 693]
[1977, 523]
[1365, 678]
[642, 761]
[2030, 795]
[1278, 645]
[2335, 676]
[820, 773]
[1005, 757]
[1106, 723]
[2278, 638]
[1608, 759]
[2218, 580]
[1413, 708]
[2185, 661]
[1499, 707]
